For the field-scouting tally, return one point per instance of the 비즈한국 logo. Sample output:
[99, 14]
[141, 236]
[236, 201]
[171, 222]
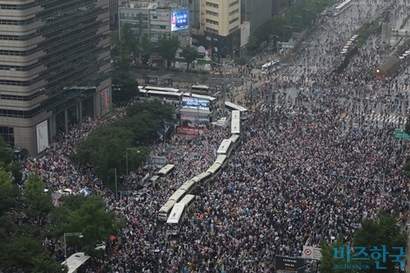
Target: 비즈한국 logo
[379, 255]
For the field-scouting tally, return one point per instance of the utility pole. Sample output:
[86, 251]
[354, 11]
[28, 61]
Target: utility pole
[224, 87]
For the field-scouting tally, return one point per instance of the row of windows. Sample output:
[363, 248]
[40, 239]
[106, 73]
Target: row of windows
[126, 15]
[212, 22]
[234, 3]
[18, 37]
[158, 27]
[209, 4]
[234, 20]
[212, 13]
[8, 134]
[18, 22]
[234, 12]
[211, 30]
[17, 53]
[233, 29]
[17, 68]
[20, 98]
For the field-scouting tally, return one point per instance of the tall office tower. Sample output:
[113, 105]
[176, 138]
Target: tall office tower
[256, 12]
[220, 23]
[54, 67]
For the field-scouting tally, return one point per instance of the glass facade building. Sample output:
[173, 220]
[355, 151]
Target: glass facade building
[54, 67]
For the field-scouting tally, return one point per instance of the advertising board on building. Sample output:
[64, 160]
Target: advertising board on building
[179, 19]
[195, 103]
[105, 101]
[42, 136]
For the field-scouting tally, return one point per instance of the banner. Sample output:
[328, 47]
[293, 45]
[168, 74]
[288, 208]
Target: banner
[42, 136]
[185, 130]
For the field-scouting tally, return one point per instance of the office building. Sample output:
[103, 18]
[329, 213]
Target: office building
[54, 68]
[256, 12]
[220, 24]
[279, 6]
[113, 7]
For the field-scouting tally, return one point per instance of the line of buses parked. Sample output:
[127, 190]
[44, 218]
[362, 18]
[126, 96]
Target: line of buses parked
[174, 210]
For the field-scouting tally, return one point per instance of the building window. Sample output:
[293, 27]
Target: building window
[211, 30]
[234, 20]
[212, 22]
[234, 3]
[212, 13]
[233, 29]
[234, 12]
[8, 135]
[209, 4]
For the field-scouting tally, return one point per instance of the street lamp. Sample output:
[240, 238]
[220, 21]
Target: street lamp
[76, 234]
[126, 157]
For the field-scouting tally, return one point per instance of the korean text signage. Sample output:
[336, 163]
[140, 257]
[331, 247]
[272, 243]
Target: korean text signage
[179, 19]
[351, 257]
[289, 263]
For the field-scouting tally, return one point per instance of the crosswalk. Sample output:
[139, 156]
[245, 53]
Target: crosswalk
[299, 70]
[289, 78]
[379, 119]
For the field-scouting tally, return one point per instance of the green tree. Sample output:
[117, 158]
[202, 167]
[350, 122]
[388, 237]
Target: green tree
[38, 204]
[146, 47]
[125, 86]
[156, 108]
[91, 219]
[189, 54]
[6, 153]
[383, 232]
[168, 46]
[128, 41]
[115, 44]
[252, 43]
[329, 263]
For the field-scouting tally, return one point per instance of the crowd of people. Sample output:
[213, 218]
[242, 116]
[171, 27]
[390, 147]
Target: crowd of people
[303, 173]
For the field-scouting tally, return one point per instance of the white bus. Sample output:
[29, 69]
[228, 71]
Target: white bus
[178, 195]
[342, 7]
[165, 210]
[221, 160]
[215, 169]
[164, 95]
[235, 140]
[236, 114]
[189, 186]
[202, 178]
[235, 126]
[176, 218]
[76, 262]
[225, 148]
[204, 97]
[232, 106]
[188, 201]
[200, 89]
[162, 89]
[166, 171]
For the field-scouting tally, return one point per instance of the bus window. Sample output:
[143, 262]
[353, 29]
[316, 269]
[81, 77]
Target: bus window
[165, 210]
[215, 169]
[176, 218]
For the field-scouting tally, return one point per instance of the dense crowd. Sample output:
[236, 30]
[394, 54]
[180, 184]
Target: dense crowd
[304, 173]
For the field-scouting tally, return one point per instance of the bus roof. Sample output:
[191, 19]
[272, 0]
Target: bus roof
[234, 138]
[236, 114]
[214, 168]
[164, 93]
[176, 213]
[167, 206]
[235, 126]
[201, 176]
[178, 194]
[220, 159]
[187, 185]
[187, 199]
[224, 146]
[200, 86]
[164, 89]
[165, 170]
[75, 261]
[205, 97]
[235, 106]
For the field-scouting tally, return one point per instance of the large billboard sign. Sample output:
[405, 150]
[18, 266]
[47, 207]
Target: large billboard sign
[105, 101]
[195, 103]
[42, 136]
[179, 19]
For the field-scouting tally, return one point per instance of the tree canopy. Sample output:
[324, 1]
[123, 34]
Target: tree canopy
[380, 233]
[105, 148]
[168, 46]
[190, 54]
